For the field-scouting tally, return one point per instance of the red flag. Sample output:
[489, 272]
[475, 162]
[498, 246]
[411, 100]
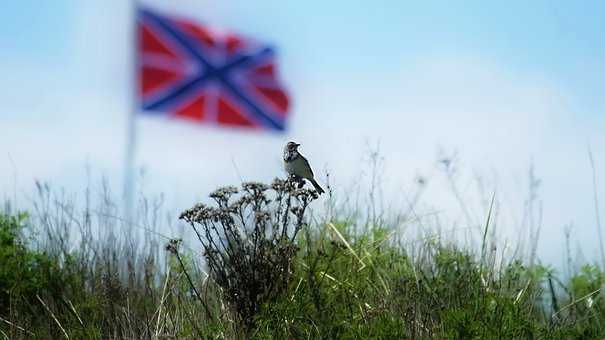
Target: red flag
[189, 71]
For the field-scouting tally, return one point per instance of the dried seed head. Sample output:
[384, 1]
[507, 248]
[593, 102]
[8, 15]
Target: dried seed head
[255, 186]
[173, 245]
[262, 216]
[296, 210]
[305, 194]
[290, 185]
[224, 193]
[201, 212]
[185, 215]
[278, 184]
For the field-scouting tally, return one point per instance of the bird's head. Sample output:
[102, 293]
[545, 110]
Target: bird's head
[292, 146]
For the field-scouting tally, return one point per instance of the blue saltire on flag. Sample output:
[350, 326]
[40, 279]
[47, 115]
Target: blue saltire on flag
[188, 70]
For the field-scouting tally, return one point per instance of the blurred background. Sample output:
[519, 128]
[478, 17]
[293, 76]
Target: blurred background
[462, 98]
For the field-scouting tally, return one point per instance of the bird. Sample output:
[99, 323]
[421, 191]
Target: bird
[297, 166]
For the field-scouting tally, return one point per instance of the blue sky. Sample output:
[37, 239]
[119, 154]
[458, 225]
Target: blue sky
[502, 83]
[36, 30]
[555, 39]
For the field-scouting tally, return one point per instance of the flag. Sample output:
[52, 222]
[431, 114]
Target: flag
[187, 70]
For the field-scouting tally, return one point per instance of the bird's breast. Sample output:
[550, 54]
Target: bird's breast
[298, 167]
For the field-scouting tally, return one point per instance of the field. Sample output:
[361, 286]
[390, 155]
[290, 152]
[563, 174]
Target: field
[260, 262]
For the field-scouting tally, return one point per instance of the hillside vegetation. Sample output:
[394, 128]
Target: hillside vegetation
[262, 265]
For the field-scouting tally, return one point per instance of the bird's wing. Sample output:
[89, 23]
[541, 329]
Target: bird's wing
[307, 166]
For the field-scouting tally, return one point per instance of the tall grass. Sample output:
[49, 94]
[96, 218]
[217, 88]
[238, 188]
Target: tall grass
[72, 268]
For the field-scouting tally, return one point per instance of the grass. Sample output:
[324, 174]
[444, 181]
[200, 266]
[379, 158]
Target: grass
[69, 273]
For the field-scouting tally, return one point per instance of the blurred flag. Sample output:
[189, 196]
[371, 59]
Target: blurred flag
[187, 70]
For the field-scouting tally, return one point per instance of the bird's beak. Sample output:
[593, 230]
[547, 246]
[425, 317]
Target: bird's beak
[297, 145]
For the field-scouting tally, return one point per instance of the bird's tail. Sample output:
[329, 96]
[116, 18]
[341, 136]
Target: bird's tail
[317, 187]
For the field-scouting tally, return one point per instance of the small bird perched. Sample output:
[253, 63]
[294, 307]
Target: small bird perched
[297, 166]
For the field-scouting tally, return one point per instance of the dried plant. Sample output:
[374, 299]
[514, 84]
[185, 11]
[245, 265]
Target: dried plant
[249, 240]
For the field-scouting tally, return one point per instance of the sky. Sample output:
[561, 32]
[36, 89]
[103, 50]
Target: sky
[503, 85]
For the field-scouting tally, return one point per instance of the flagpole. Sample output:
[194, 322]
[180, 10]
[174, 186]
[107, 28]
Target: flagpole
[131, 131]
